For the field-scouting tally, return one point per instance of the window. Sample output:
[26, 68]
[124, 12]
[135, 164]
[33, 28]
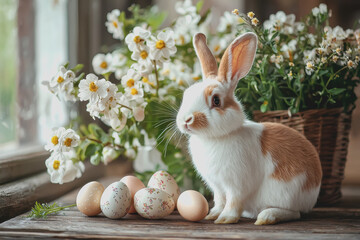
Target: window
[33, 42]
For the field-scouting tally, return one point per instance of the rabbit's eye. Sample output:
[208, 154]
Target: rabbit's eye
[216, 101]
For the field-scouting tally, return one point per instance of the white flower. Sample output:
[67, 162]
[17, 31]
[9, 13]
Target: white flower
[62, 77]
[129, 80]
[185, 27]
[323, 8]
[149, 82]
[108, 155]
[289, 48]
[115, 118]
[116, 137]
[92, 88]
[217, 45]
[277, 60]
[118, 59]
[162, 46]
[62, 169]
[255, 21]
[120, 72]
[102, 63]
[185, 7]
[110, 101]
[135, 92]
[56, 167]
[147, 67]
[309, 68]
[141, 54]
[73, 169]
[113, 25]
[228, 22]
[68, 140]
[137, 37]
[315, 11]
[309, 55]
[54, 143]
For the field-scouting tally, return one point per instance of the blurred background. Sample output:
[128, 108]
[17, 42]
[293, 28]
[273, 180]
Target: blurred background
[36, 36]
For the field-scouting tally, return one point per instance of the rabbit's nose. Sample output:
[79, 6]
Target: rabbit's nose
[189, 120]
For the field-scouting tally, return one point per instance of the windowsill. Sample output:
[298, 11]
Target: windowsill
[340, 221]
[20, 195]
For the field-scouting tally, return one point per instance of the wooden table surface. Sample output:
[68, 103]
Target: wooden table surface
[337, 222]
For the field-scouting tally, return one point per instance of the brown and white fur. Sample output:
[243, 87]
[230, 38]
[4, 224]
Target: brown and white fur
[256, 170]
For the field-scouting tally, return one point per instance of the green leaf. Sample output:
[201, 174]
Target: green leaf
[155, 21]
[90, 150]
[263, 107]
[336, 91]
[95, 159]
[199, 6]
[95, 130]
[77, 68]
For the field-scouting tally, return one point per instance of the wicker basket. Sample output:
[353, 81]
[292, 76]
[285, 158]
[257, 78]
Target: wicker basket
[328, 130]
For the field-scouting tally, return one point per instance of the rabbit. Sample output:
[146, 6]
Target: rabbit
[264, 171]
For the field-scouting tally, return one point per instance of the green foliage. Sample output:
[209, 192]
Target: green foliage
[282, 79]
[45, 209]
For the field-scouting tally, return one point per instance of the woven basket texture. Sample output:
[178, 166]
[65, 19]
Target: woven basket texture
[328, 130]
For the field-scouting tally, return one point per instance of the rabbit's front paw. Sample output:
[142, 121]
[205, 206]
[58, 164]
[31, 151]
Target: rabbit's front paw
[214, 213]
[228, 217]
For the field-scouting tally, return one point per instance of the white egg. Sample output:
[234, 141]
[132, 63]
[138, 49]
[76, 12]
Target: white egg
[116, 200]
[165, 182]
[153, 203]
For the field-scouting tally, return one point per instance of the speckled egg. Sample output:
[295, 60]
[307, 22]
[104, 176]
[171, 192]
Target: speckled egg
[165, 182]
[116, 200]
[88, 198]
[192, 205]
[153, 203]
[134, 184]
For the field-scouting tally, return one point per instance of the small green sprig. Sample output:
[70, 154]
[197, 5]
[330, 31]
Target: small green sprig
[44, 209]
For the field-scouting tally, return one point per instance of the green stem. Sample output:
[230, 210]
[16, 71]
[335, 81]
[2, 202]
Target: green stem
[157, 78]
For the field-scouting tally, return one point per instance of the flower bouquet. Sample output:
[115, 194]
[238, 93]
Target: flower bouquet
[304, 76]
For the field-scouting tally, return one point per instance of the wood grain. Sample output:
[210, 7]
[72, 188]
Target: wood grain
[339, 222]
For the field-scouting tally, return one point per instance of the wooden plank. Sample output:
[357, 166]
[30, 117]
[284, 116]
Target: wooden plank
[19, 196]
[336, 222]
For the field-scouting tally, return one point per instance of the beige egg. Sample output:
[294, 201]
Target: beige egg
[153, 203]
[192, 205]
[165, 182]
[134, 184]
[88, 198]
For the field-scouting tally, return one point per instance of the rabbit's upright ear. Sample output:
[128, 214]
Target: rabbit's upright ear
[207, 59]
[238, 59]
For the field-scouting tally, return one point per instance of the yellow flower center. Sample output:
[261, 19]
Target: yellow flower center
[216, 48]
[266, 102]
[143, 54]
[309, 65]
[55, 140]
[60, 79]
[251, 15]
[160, 44]
[182, 39]
[130, 82]
[93, 87]
[67, 142]
[181, 83]
[137, 39]
[145, 79]
[196, 78]
[56, 164]
[115, 24]
[103, 65]
[134, 91]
